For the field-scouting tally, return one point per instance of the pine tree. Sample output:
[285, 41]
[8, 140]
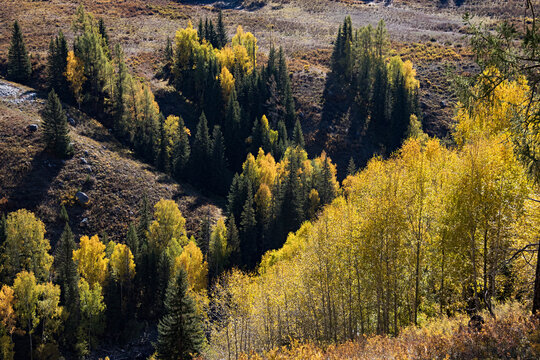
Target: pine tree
[298, 135]
[201, 156]
[327, 191]
[132, 241]
[233, 241]
[19, 66]
[351, 168]
[68, 279]
[63, 214]
[219, 163]
[119, 126]
[145, 217]
[55, 127]
[103, 32]
[57, 65]
[180, 330]
[248, 230]
[163, 154]
[181, 152]
[221, 31]
[282, 142]
[168, 52]
[233, 137]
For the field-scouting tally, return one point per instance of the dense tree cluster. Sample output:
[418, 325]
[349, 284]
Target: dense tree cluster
[69, 300]
[373, 95]
[269, 199]
[429, 232]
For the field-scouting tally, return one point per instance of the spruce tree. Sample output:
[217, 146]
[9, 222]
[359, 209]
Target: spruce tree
[248, 230]
[118, 125]
[19, 66]
[68, 278]
[57, 65]
[233, 241]
[202, 147]
[221, 31]
[63, 214]
[181, 152]
[298, 135]
[180, 330]
[163, 154]
[132, 241]
[104, 35]
[351, 168]
[219, 163]
[168, 52]
[55, 127]
[145, 217]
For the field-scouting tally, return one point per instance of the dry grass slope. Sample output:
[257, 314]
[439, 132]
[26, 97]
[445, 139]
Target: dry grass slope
[114, 181]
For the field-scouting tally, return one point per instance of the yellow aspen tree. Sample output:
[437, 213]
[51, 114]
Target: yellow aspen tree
[75, 75]
[168, 224]
[91, 260]
[226, 80]
[191, 259]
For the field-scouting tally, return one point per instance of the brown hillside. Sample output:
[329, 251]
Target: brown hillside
[114, 181]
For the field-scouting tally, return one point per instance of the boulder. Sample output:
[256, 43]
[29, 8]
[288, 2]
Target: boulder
[72, 121]
[32, 127]
[88, 169]
[84, 222]
[82, 198]
[83, 161]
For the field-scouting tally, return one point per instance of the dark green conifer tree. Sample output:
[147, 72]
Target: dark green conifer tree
[64, 215]
[248, 230]
[233, 241]
[298, 135]
[68, 278]
[180, 330]
[221, 31]
[119, 126]
[201, 153]
[219, 163]
[351, 168]
[163, 160]
[104, 35]
[132, 241]
[55, 127]
[181, 152]
[19, 66]
[57, 65]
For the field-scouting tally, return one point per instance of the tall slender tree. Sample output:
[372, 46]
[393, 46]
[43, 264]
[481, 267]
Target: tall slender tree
[19, 66]
[55, 127]
[180, 330]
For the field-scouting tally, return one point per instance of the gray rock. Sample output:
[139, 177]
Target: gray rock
[88, 169]
[85, 152]
[443, 104]
[82, 198]
[83, 161]
[32, 127]
[84, 222]
[72, 121]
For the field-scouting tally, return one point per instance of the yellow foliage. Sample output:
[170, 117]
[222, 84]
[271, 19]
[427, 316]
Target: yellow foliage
[168, 224]
[75, 75]
[226, 80]
[248, 42]
[7, 314]
[91, 261]
[191, 260]
[122, 264]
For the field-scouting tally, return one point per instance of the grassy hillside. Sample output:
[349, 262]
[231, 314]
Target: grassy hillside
[107, 172]
[425, 31]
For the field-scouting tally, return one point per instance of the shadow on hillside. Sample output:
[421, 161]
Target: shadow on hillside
[34, 186]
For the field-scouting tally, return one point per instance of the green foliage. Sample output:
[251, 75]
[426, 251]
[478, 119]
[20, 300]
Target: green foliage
[19, 66]
[55, 127]
[180, 331]
[57, 65]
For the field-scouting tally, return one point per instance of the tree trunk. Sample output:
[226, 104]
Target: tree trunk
[536, 297]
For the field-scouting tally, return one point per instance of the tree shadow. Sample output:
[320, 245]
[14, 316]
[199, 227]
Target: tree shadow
[32, 188]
